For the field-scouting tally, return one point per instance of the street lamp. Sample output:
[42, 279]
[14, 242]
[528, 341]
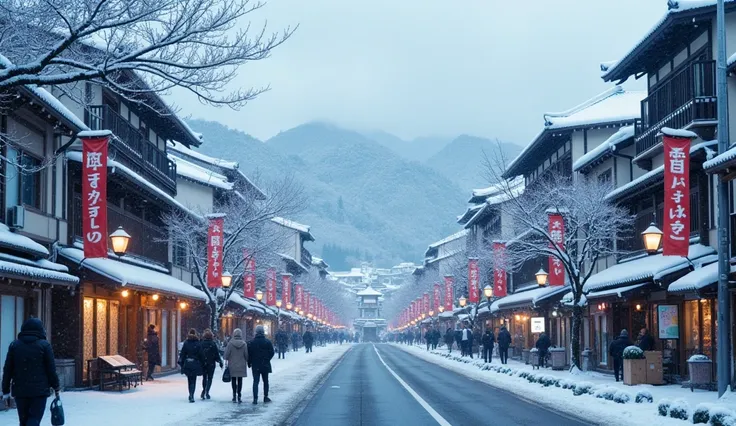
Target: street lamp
[227, 279]
[288, 306]
[462, 301]
[488, 293]
[259, 295]
[652, 236]
[431, 313]
[541, 277]
[442, 308]
[120, 240]
[278, 313]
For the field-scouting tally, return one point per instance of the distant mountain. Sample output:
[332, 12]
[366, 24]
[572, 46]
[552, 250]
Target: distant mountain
[364, 197]
[462, 160]
[418, 149]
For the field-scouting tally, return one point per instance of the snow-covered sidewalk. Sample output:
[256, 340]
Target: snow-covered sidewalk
[514, 378]
[164, 401]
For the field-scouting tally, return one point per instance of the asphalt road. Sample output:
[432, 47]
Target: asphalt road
[362, 391]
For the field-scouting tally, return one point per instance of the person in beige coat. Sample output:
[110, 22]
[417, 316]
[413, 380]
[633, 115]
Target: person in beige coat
[236, 356]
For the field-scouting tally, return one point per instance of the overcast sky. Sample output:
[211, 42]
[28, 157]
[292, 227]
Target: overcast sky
[429, 67]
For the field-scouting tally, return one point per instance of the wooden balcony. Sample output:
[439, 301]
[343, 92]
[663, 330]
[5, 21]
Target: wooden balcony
[132, 149]
[687, 99]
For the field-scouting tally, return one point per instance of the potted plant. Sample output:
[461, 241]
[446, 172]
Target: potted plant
[635, 366]
[534, 357]
[700, 368]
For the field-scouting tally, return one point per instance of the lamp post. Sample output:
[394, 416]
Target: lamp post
[119, 240]
[259, 296]
[278, 313]
[462, 301]
[227, 279]
[488, 293]
[652, 237]
[541, 277]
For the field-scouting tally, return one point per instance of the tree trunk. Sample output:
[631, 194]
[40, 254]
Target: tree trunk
[214, 317]
[577, 321]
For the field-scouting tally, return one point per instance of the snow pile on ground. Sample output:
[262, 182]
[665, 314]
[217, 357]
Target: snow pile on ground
[164, 401]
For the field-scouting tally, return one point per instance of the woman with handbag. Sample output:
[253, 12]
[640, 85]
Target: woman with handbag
[211, 358]
[191, 361]
[236, 356]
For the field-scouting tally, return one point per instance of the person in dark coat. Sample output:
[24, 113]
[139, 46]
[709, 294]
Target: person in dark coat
[487, 341]
[646, 341]
[308, 340]
[260, 353]
[211, 354]
[428, 338]
[459, 339]
[153, 349]
[436, 336]
[236, 355]
[449, 339]
[191, 360]
[542, 345]
[282, 342]
[30, 372]
[295, 341]
[504, 341]
[616, 351]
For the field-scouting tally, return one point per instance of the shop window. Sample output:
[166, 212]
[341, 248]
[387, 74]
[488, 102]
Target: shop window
[11, 318]
[180, 255]
[88, 332]
[30, 180]
[101, 327]
[605, 178]
[114, 326]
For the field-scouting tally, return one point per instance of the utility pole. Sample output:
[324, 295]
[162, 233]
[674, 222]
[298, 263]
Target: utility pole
[724, 309]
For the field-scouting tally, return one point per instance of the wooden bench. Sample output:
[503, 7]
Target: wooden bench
[117, 371]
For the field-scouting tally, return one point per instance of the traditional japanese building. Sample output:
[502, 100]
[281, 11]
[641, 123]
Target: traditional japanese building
[369, 324]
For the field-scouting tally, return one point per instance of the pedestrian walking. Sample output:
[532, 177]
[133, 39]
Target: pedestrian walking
[153, 350]
[282, 342]
[260, 353]
[449, 339]
[616, 351]
[646, 341]
[191, 361]
[488, 340]
[543, 343]
[308, 341]
[459, 338]
[294, 341]
[428, 338]
[30, 372]
[504, 341]
[236, 355]
[211, 354]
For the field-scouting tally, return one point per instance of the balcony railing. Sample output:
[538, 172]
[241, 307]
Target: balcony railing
[687, 97]
[132, 147]
[147, 240]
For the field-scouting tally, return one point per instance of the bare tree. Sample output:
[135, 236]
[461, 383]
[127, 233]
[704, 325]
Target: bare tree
[135, 47]
[335, 296]
[248, 228]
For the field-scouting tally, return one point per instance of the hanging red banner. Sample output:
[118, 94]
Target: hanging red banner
[436, 298]
[556, 276]
[473, 281]
[215, 242]
[249, 275]
[425, 304]
[499, 271]
[299, 296]
[449, 296]
[94, 196]
[676, 238]
[311, 301]
[306, 301]
[414, 310]
[286, 289]
[271, 287]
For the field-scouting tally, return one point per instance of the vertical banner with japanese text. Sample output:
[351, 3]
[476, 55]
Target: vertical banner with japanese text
[425, 304]
[249, 275]
[299, 296]
[556, 275]
[286, 289]
[676, 239]
[473, 281]
[271, 287]
[215, 236]
[306, 302]
[499, 271]
[449, 296]
[436, 299]
[94, 196]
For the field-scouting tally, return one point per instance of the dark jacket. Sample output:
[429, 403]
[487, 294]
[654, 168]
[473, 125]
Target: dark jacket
[153, 348]
[308, 338]
[260, 352]
[647, 342]
[282, 339]
[211, 353]
[616, 348]
[488, 339]
[543, 343]
[294, 338]
[436, 335]
[504, 338]
[30, 370]
[458, 336]
[191, 357]
[449, 337]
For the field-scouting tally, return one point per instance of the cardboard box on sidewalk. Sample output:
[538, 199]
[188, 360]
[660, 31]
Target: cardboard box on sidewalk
[655, 373]
[635, 371]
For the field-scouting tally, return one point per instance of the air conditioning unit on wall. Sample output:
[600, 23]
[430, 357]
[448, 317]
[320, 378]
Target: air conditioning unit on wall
[16, 217]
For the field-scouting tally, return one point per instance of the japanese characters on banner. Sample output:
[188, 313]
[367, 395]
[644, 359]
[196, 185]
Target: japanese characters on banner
[425, 303]
[676, 230]
[249, 275]
[286, 289]
[311, 304]
[449, 296]
[473, 281]
[437, 295]
[414, 310]
[94, 196]
[214, 250]
[556, 276]
[299, 296]
[307, 303]
[499, 272]
[271, 287]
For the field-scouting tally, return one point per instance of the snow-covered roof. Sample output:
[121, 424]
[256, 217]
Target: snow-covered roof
[248, 303]
[41, 270]
[453, 237]
[469, 213]
[431, 260]
[200, 174]
[303, 229]
[500, 188]
[218, 162]
[720, 159]
[609, 145]
[290, 259]
[646, 268]
[133, 276]
[616, 291]
[568, 298]
[116, 166]
[18, 242]
[531, 297]
[369, 291]
[698, 279]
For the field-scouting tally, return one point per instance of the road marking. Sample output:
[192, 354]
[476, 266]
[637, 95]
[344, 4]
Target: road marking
[335, 387]
[441, 420]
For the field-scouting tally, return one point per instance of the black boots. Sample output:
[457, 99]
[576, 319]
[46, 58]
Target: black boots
[266, 400]
[191, 398]
[202, 395]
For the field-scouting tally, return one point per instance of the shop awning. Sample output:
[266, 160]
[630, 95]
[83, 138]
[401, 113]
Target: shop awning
[619, 292]
[249, 304]
[530, 298]
[135, 277]
[647, 268]
[701, 280]
[40, 271]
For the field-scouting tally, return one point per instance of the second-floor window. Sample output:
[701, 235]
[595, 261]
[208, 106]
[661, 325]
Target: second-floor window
[180, 255]
[605, 178]
[30, 181]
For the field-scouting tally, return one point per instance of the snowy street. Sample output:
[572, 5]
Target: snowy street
[164, 401]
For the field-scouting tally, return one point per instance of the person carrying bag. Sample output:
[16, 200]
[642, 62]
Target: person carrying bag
[57, 412]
